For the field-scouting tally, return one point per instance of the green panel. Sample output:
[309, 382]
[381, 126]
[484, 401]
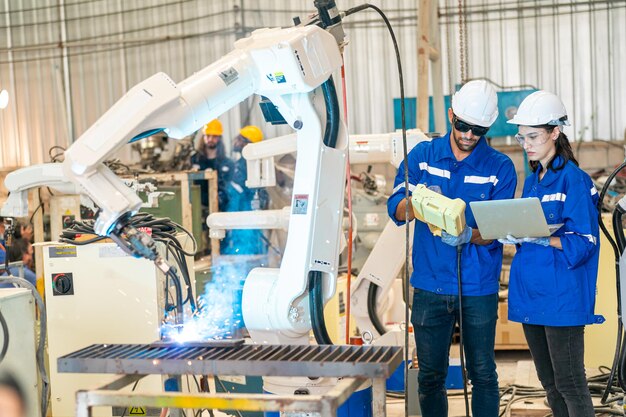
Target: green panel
[170, 206]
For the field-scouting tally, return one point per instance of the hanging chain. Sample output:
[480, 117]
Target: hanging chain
[462, 41]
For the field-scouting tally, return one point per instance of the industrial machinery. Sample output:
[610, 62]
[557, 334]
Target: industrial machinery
[292, 68]
[370, 293]
[18, 336]
[285, 65]
[97, 293]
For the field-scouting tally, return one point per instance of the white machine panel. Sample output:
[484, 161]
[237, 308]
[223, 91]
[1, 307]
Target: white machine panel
[18, 308]
[97, 294]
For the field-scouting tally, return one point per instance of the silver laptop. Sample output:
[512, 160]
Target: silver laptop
[519, 217]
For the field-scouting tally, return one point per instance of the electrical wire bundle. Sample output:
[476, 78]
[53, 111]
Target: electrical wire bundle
[162, 230]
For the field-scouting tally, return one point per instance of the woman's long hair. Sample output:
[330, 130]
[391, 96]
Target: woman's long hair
[563, 149]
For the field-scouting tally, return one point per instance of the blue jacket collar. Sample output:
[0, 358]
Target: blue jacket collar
[551, 176]
[443, 150]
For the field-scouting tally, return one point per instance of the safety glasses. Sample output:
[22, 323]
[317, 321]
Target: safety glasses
[463, 127]
[532, 138]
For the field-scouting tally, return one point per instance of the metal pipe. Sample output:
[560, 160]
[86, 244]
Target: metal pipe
[15, 130]
[258, 219]
[66, 73]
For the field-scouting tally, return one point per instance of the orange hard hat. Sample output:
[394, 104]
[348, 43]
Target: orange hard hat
[214, 128]
[252, 133]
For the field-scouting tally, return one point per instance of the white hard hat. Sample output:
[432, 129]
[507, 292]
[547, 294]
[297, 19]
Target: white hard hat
[476, 103]
[541, 108]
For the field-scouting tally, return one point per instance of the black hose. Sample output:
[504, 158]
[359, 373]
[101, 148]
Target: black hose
[620, 327]
[331, 131]
[163, 230]
[5, 342]
[621, 369]
[179, 292]
[371, 309]
[459, 249]
[618, 229]
[621, 244]
[316, 306]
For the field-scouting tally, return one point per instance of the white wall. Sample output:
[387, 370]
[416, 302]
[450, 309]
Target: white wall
[576, 50]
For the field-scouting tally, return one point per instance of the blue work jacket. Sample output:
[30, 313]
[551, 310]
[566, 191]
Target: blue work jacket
[554, 287]
[485, 174]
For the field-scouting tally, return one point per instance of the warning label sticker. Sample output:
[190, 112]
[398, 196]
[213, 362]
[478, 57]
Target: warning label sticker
[300, 204]
[136, 411]
[62, 251]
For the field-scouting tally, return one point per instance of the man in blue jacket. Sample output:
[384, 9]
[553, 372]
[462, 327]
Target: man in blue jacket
[462, 165]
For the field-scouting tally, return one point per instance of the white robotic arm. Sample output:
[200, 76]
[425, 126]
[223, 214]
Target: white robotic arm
[19, 182]
[276, 63]
[364, 149]
[285, 65]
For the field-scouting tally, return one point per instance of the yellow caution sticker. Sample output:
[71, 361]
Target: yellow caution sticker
[137, 411]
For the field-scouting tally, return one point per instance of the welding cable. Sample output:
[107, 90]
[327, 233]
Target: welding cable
[618, 231]
[619, 350]
[163, 230]
[316, 307]
[406, 183]
[179, 293]
[219, 381]
[6, 338]
[43, 326]
[372, 291]
[179, 258]
[459, 250]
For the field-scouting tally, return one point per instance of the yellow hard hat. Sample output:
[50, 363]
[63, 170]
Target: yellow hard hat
[252, 133]
[214, 128]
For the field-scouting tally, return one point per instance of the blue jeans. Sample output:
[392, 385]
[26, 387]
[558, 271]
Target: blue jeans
[433, 318]
[559, 356]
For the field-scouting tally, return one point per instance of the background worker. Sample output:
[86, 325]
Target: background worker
[21, 250]
[3, 250]
[242, 198]
[210, 153]
[464, 166]
[23, 230]
[553, 278]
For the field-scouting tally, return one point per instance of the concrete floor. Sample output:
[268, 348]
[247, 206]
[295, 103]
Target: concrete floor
[507, 362]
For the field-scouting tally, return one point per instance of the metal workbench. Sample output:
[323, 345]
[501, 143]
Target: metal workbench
[354, 364]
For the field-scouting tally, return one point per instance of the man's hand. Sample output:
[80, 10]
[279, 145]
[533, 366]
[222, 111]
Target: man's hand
[463, 238]
[401, 210]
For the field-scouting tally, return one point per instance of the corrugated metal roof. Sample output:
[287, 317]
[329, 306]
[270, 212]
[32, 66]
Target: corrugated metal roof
[577, 50]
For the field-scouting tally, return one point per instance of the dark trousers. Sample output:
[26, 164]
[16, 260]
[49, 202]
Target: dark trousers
[433, 318]
[558, 353]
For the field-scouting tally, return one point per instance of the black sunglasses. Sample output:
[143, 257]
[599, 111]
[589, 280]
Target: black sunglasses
[463, 127]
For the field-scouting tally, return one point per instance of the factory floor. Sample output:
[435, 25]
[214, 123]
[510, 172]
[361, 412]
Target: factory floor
[508, 372]
[512, 365]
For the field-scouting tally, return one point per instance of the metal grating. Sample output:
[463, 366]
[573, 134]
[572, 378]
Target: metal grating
[252, 360]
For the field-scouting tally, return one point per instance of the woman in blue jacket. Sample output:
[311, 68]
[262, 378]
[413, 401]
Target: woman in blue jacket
[553, 278]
